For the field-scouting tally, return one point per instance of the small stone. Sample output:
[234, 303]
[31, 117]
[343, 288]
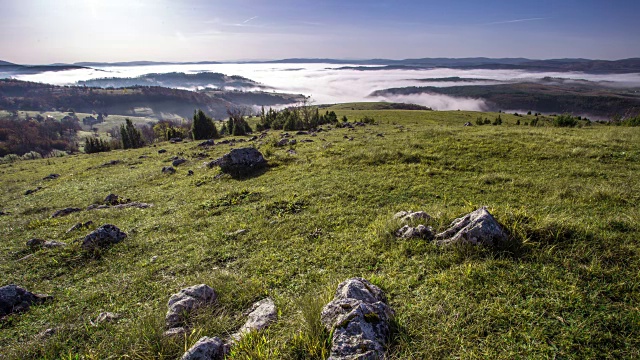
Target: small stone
[111, 163]
[133, 204]
[51, 177]
[47, 333]
[173, 332]
[103, 236]
[35, 243]
[107, 317]
[205, 143]
[236, 233]
[113, 199]
[168, 170]
[65, 211]
[53, 244]
[467, 124]
[162, 151]
[178, 162]
[190, 173]
[153, 258]
[29, 192]
[420, 231]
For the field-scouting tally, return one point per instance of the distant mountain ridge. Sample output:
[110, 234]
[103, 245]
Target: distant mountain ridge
[631, 65]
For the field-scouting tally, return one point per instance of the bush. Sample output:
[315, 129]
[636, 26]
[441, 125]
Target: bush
[565, 120]
[31, 155]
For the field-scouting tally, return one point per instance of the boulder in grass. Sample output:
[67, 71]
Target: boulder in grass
[359, 319]
[420, 231]
[477, 228]
[262, 314]
[103, 236]
[187, 300]
[207, 349]
[14, 298]
[242, 161]
[178, 162]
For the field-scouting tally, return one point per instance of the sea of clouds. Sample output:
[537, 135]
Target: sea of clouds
[327, 83]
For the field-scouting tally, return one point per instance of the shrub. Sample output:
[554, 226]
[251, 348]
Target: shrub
[96, 145]
[131, 136]
[565, 120]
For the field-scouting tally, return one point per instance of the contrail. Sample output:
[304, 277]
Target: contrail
[249, 19]
[515, 21]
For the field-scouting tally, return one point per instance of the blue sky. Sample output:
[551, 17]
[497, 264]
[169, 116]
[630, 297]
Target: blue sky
[46, 31]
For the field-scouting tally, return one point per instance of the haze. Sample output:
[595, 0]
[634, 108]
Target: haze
[326, 83]
[66, 31]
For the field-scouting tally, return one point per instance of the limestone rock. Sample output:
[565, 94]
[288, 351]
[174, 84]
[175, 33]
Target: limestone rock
[241, 161]
[420, 231]
[106, 317]
[65, 211]
[103, 236]
[187, 300]
[14, 298]
[178, 331]
[261, 315]
[478, 227]
[162, 151]
[206, 349]
[359, 318]
[51, 177]
[407, 216]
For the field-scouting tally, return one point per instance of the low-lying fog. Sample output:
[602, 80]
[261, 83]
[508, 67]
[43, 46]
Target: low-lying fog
[326, 83]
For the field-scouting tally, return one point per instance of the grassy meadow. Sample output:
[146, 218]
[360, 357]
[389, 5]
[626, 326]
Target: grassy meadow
[568, 288]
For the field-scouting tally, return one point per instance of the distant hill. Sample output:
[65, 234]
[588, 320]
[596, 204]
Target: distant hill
[141, 63]
[550, 96]
[8, 69]
[22, 95]
[177, 80]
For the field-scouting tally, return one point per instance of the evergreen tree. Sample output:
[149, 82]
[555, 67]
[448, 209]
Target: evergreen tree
[131, 136]
[203, 127]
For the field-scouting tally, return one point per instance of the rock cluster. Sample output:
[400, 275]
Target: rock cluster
[477, 228]
[103, 236]
[407, 231]
[359, 318]
[14, 298]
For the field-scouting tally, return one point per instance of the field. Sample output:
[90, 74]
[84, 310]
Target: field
[566, 288]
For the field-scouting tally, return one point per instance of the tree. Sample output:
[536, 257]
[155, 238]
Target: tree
[237, 125]
[131, 136]
[203, 127]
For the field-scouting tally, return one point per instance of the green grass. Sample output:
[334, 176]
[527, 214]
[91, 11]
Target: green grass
[567, 289]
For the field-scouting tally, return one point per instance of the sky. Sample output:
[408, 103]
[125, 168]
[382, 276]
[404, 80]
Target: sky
[67, 31]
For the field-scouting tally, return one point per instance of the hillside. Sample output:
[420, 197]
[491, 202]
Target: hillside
[550, 96]
[321, 213]
[20, 95]
[177, 80]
